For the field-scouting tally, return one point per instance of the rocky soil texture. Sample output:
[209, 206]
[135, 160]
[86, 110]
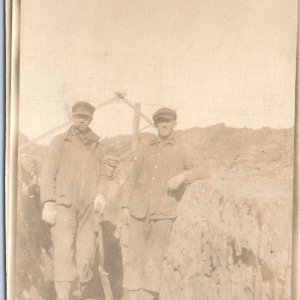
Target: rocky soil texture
[232, 237]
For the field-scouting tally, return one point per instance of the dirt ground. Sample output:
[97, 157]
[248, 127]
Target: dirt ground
[232, 237]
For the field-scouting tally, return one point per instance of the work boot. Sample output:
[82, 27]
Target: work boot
[62, 289]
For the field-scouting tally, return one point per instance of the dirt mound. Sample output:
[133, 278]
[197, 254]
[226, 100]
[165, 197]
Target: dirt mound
[33, 243]
[232, 237]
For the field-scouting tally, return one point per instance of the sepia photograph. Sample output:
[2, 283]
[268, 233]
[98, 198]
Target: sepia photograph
[151, 150]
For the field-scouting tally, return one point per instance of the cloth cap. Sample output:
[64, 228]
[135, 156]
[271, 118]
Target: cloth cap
[83, 108]
[165, 113]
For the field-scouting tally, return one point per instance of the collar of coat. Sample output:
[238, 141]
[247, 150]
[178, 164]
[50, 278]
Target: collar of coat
[89, 136]
[157, 140]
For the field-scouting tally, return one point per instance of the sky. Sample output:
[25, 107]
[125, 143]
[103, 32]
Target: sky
[214, 61]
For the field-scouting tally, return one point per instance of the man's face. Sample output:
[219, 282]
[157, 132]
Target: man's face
[81, 122]
[165, 127]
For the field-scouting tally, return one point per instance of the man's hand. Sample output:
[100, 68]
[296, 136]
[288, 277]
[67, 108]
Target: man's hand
[175, 182]
[49, 213]
[99, 203]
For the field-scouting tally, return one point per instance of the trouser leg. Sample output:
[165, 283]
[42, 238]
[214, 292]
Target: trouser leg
[136, 255]
[156, 246]
[63, 234]
[62, 289]
[85, 244]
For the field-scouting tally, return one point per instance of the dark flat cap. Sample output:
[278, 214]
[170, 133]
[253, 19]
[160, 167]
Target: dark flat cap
[165, 113]
[83, 108]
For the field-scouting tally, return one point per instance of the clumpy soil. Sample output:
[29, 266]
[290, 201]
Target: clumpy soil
[231, 239]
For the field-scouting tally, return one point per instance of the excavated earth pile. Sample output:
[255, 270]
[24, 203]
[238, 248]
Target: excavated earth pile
[231, 239]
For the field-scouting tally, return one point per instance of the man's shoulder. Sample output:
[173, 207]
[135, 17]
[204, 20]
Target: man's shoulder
[144, 145]
[60, 138]
[183, 146]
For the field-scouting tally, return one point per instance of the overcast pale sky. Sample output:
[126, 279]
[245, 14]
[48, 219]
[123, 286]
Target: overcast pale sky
[230, 61]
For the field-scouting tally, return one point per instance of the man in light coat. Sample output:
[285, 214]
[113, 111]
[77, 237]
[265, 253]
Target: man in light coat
[73, 186]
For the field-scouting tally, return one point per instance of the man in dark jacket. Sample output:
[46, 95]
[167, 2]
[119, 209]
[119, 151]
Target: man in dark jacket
[73, 185]
[160, 173]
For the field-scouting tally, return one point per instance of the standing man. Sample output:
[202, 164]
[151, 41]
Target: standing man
[160, 173]
[73, 185]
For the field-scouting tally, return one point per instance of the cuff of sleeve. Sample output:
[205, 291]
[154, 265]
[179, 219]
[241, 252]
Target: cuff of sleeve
[102, 187]
[192, 175]
[48, 197]
[189, 176]
[48, 203]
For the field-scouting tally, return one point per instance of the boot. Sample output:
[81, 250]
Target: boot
[62, 289]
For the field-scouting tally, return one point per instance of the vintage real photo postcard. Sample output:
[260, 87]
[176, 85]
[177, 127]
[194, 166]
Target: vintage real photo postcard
[150, 150]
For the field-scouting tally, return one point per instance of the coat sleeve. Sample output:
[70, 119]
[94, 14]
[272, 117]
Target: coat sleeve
[195, 167]
[103, 178]
[50, 167]
[132, 181]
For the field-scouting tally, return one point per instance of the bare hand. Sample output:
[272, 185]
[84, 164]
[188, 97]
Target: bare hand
[175, 182]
